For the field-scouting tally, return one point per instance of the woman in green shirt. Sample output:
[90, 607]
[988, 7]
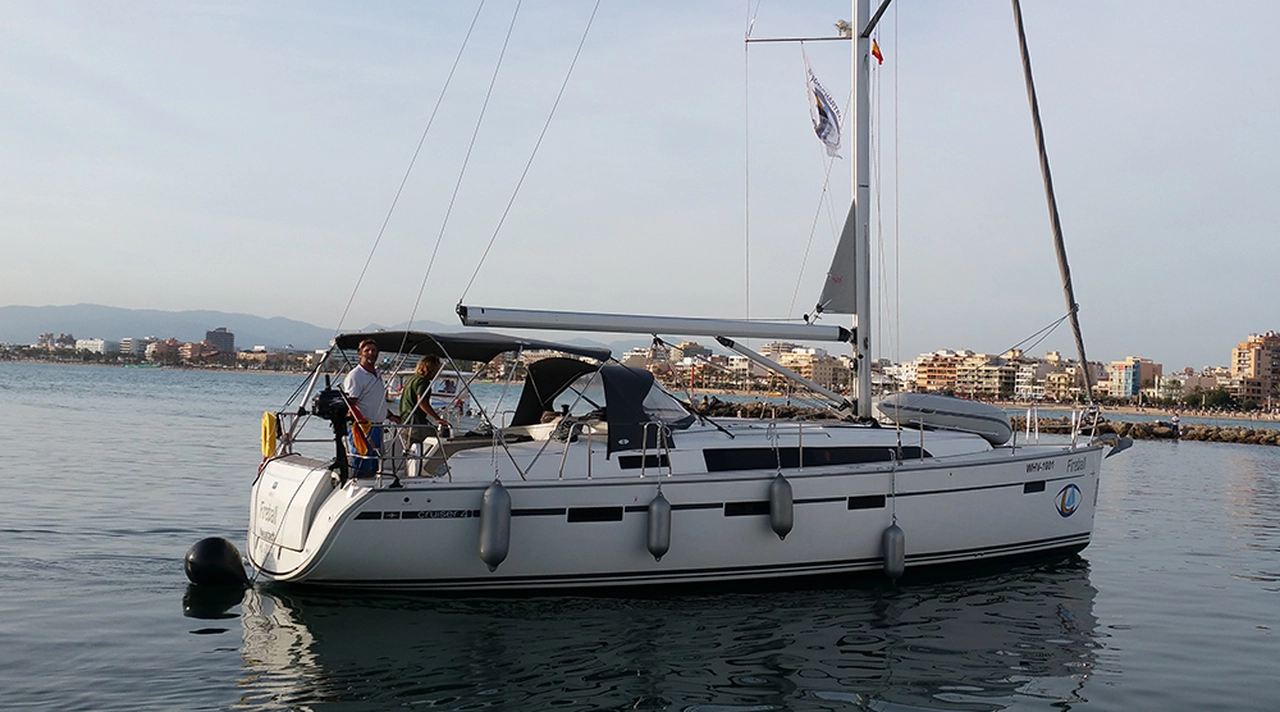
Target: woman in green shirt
[420, 419]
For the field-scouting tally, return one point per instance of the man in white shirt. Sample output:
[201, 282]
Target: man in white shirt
[367, 396]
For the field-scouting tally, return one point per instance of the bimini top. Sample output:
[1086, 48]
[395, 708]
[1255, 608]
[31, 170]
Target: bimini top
[470, 346]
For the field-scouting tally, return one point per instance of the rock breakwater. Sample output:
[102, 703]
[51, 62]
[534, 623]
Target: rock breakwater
[1165, 430]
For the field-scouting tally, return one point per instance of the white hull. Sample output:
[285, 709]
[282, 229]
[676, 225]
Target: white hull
[644, 492]
[968, 503]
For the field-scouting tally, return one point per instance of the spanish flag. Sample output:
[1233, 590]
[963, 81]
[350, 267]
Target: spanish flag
[360, 433]
[875, 52]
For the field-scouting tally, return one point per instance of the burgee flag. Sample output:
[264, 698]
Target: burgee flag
[875, 52]
[824, 112]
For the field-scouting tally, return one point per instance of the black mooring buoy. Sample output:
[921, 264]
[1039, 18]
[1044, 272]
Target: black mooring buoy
[215, 562]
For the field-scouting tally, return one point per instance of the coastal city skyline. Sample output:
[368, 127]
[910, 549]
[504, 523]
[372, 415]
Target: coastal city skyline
[40, 322]
[246, 157]
[53, 331]
[1252, 375]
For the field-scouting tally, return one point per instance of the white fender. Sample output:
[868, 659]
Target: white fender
[895, 551]
[495, 525]
[659, 526]
[781, 506]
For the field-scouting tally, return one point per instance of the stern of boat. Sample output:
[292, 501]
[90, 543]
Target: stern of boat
[286, 497]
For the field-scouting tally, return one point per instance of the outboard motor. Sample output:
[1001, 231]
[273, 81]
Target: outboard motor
[331, 405]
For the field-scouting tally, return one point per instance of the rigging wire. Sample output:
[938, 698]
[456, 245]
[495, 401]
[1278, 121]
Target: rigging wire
[824, 201]
[875, 95]
[889, 329]
[529, 163]
[746, 158]
[465, 162]
[824, 198]
[409, 169]
[1043, 333]
[897, 236]
[1039, 335]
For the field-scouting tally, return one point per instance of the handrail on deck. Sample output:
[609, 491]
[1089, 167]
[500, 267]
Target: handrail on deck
[577, 427]
[664, 440]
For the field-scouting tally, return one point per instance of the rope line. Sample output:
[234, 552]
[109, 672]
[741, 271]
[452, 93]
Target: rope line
[824, 201]
[403, 181]
[746, 158]
[466, 161]
[529, 164]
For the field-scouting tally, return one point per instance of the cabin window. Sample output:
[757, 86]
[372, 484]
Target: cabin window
[745, 509]
[661, 407]
[583, 398]
[595, 514]
[872, 501]
[763, 458]
[633, 462]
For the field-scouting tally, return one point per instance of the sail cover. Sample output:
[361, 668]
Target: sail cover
[838, 296]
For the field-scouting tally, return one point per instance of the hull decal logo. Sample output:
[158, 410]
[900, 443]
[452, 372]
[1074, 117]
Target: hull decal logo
[1068, 500]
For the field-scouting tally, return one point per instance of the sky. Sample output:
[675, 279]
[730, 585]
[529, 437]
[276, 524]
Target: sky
[255, 157]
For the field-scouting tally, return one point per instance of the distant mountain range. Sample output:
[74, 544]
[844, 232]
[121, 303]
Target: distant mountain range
[24, 324]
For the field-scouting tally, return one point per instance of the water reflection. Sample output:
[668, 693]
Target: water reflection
[980, 644]
[211, 602]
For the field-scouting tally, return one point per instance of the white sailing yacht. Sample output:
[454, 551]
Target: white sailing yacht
[600, 479]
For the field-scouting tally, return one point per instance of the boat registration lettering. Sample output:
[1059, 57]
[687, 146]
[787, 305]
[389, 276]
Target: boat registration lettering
[1076, 464]
[269, 513]
[1042, 466]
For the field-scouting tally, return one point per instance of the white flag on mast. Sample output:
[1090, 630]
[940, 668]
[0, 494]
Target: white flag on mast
[824, 112]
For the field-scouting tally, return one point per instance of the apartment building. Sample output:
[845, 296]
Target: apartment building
[1255, 367]
[985, 377]
[936, 372]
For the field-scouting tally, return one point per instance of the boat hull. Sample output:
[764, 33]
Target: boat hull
[589, 533]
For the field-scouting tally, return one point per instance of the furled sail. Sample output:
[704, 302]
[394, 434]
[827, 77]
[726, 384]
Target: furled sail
[838, 291]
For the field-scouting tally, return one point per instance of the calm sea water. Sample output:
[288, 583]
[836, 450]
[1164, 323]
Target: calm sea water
[111, 474]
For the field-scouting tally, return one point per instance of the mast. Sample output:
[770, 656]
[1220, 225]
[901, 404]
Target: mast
[848, 286]
[1073, 308]
[861, 75]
